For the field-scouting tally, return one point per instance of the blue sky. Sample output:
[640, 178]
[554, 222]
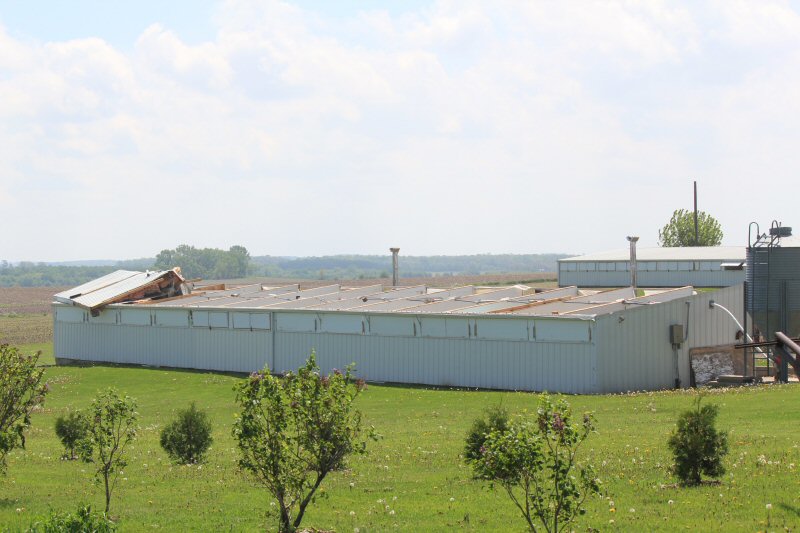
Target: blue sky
[442, 127]
[118, 23]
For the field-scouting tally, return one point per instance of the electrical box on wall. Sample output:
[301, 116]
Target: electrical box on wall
[676, 334]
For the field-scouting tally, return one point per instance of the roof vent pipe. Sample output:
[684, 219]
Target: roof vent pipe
[395, 267]
[633, 240]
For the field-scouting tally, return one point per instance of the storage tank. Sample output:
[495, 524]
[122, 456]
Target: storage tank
[773, 282]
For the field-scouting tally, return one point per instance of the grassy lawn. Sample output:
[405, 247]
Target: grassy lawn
[415, 468]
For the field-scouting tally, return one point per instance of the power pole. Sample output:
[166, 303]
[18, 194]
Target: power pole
[696, 228]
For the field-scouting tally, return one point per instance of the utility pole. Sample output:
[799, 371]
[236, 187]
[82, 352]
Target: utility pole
[696, 228]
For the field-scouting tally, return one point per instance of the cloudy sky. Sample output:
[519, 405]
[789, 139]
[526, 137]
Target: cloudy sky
[452, 127]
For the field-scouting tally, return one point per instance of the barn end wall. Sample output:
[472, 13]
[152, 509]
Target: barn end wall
[677, 278]
[634, 351]
[499, 353]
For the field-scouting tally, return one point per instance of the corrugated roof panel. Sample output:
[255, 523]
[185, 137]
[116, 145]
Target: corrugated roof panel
[120, 288]
[552, 308]
[650, 299]
[247, 291]
[489, 307]
[253, 303]
[389, 305]
[548, 295]
[606, 296]
[495, 295]
[402, 292]
[94, 285]
[439, 307]
[355, 292]
[327, 304]
[434, 295]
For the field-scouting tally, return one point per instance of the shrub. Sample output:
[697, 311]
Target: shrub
[696, 445]
[536, 462]
[70, 430]
[21, 391]
[493, 419]
[293, 431]
[187, 438]
[82, 521]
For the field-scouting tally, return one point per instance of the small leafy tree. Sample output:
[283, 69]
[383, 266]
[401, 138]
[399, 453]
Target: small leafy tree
[536, 462]
[70, 430]
[187, 438]
[679, 231]
[696, 445]
[112, 426]
[293, 431]
[21, 391]
[493, 419]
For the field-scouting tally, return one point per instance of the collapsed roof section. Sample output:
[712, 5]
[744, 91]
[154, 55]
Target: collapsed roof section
[514, 300]
[169, 289]
[125, 286]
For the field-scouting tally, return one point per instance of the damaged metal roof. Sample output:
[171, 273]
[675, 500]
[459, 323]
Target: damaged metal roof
[125, 286]
[168, 289]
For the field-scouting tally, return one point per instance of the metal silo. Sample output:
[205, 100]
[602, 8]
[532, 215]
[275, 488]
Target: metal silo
[773, 282]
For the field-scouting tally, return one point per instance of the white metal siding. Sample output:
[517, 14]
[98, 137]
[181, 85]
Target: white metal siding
[562, 330]
[70, 314]
[694, 273]
[343, 324]
[446, 362]
[633, 347]
[172, 317]
[471, 352]
[202, 348]
[135, 317]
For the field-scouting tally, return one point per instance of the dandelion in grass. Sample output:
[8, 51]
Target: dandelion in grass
[769, 508]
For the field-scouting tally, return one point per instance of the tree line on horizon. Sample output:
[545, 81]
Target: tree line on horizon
[236, 262]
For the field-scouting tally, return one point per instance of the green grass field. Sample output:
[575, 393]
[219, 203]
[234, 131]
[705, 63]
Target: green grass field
[415, 468]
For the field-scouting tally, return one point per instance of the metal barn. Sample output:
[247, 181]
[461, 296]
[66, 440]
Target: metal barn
[566, 340]
[701, 266]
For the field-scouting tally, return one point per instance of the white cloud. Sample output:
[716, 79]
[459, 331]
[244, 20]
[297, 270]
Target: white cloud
[461, 127]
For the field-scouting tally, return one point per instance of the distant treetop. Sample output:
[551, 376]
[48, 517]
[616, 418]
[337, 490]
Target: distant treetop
[206, 263]
[679, 231]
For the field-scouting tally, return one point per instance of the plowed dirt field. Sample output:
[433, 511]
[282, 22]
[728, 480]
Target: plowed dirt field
[25, 315]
